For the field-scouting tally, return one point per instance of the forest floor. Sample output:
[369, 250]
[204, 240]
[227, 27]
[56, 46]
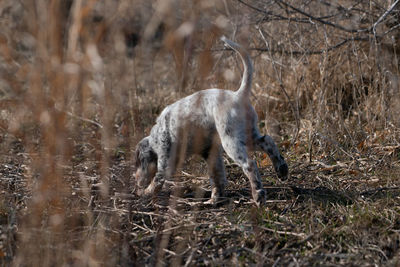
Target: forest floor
[326, 213]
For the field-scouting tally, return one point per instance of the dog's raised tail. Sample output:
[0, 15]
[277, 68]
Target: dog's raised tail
[245, 86]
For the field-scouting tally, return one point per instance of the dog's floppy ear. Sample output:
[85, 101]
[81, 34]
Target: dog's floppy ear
[144, 154]
[137, 155]
[145, 163]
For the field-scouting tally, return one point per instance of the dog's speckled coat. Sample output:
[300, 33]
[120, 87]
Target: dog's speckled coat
[207, 123]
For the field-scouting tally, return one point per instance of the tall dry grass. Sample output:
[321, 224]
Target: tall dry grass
[81, 81]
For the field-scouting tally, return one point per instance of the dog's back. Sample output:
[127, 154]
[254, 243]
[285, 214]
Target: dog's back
[193, 117]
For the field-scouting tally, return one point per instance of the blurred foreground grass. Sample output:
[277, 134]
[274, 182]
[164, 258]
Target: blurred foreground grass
[81, 81]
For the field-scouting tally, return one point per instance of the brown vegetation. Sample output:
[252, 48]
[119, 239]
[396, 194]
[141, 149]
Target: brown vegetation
[81, 81]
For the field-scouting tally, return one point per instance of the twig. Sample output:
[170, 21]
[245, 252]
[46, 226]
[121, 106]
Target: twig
[80, 118]
[280, 17]
[190, 258]
[381, 18]
[308, 52]
[304, 240]
[143, 228]
[324, 21]
[140, 212]
[336, 144]
[301, 235]
[377, 249]
[276, 262]
[376, 191]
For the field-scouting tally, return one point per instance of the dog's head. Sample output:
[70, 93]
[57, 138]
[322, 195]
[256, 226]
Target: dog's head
[145, 163]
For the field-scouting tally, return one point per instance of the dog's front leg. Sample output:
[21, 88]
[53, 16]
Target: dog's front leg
[216, 171]
[250, 169]
[238, 153]
[158, 181]
[167, 159]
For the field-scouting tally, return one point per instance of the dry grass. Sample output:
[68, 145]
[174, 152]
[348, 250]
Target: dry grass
[81, 81]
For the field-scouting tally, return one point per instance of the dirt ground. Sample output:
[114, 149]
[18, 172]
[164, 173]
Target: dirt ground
[342, 213]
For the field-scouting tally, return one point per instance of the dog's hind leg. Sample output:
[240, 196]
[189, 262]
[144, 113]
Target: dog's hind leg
[237, 151]
[266, 144]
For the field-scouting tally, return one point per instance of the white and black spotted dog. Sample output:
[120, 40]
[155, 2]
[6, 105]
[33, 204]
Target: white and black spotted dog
[206, 123]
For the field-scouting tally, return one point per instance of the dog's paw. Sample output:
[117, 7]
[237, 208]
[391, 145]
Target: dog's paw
[149, 190]
[260, 197]
[153, 189]
[143, 192]
[211, 201]
[215, 200]
[138, 191]
[282, 170]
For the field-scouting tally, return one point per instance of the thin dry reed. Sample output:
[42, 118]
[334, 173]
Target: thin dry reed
[82, 81]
